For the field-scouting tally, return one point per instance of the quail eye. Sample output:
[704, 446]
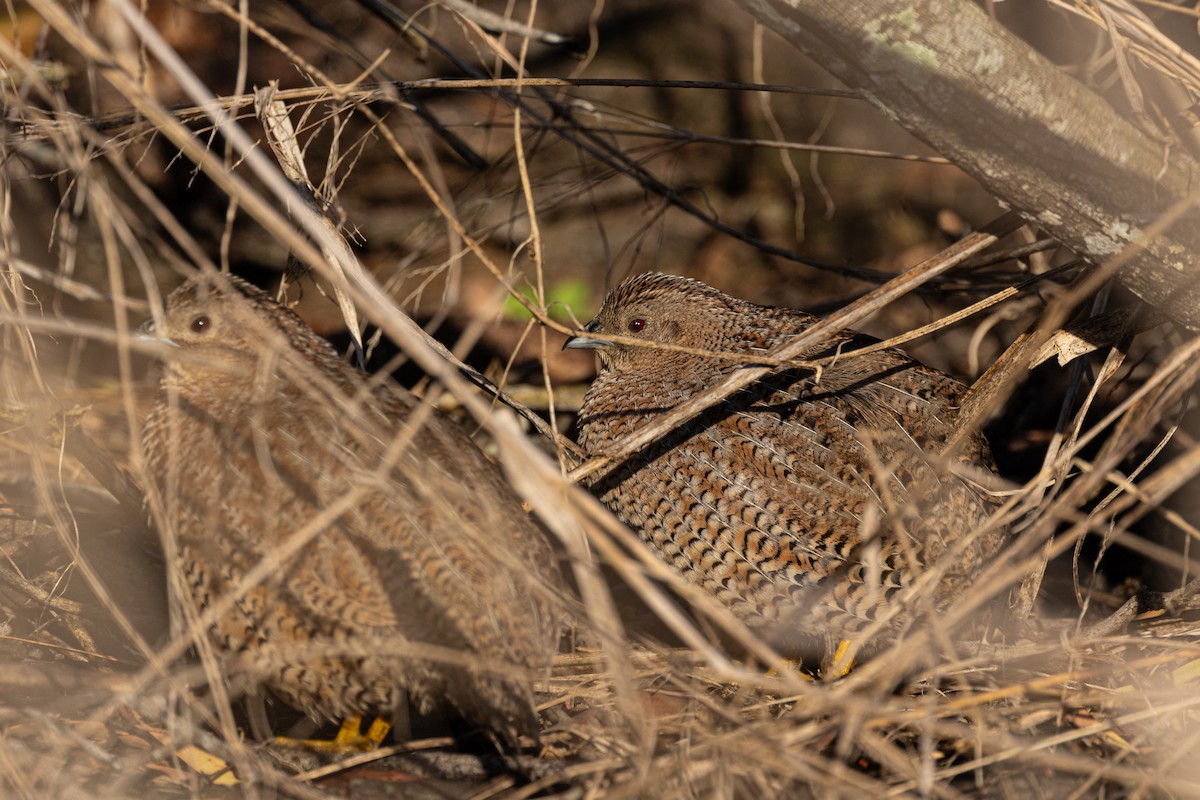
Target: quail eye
[637, 325]
[201, 324]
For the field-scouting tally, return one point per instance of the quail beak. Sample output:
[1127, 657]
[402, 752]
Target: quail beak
[147, 330]
[586, 342]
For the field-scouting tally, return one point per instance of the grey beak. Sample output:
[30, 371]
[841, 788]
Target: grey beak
[586, 342]
[147, 330]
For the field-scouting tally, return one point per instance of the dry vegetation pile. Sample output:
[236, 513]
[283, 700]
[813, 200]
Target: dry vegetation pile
[493, 168]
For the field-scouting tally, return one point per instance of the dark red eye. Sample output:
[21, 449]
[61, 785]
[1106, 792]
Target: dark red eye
[201, 324]
[637, 325]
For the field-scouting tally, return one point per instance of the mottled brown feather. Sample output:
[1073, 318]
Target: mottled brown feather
[769, 499]
[257, 429]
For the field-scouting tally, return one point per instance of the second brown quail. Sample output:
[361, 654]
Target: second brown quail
[807, 502]
[398, 560]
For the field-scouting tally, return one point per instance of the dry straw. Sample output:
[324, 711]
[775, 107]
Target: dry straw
[101, 696]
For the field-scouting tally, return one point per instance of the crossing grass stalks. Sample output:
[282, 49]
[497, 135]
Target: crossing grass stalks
[113, 191]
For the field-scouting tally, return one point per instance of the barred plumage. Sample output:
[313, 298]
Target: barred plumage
[776, 499]
[418, 570]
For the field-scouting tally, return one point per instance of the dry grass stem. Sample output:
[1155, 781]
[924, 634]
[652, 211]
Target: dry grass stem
[449, 189]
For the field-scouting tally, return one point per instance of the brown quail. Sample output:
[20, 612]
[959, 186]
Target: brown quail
[419, 571]
[806, 502]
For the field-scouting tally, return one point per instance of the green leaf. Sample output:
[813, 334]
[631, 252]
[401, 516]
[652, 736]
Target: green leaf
[572, 294]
